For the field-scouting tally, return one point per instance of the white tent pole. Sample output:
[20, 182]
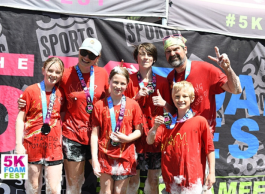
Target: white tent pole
[164, 20]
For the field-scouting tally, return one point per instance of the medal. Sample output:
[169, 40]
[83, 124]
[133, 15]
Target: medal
[151, 87]
[115, 126]
[89, 94]
[46, 112]
[114, 143]
[89, 108]
[45, 129]
[167, 119]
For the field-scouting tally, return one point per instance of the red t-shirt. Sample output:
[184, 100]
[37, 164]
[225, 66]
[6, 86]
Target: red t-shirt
[38, 145]
[183, 153]
[207, 81]
[77, 122]
[149, 110]
[119, 160]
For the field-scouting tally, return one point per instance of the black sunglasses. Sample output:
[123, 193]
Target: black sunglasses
[91, 55]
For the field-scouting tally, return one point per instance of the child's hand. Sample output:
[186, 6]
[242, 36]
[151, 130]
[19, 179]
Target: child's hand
[158, 100]
[21, 103]
[159, 120]
[96, 168]
[20, 149]
[142, 92]
[119, 137]
[210, 180]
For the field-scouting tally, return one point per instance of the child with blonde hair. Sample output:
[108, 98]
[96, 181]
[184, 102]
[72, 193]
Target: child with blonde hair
[185, 141]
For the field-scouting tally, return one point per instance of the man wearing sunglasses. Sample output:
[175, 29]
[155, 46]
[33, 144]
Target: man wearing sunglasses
[206, 79]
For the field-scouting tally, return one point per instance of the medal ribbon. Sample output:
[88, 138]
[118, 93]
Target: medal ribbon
[116, 126]
[89, 94]
[46, 113]
[188, 115]
[187, 71]
[141, 83]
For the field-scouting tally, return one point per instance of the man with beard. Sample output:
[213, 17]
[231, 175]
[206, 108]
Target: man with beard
[206, 79]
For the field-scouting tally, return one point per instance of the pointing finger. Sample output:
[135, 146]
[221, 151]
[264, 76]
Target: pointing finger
[217, 52]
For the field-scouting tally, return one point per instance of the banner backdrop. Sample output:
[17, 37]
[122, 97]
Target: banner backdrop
[147, 8]
[241, 18]
[28, 38]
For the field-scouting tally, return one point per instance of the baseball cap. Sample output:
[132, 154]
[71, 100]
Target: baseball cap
[93, 45]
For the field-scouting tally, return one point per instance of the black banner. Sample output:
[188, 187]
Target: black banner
[28, 38]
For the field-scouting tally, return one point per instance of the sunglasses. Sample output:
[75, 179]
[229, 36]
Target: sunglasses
[91, 55]
[178, 36]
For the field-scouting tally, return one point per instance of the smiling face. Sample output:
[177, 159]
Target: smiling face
[183, 95]
[176, 55]
[144, 59]
[85, 61]
[118, 85]
[182, 100]
[53, 73]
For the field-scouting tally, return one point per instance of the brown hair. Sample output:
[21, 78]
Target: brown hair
[121, 71]
[183, 84]
[150, 49]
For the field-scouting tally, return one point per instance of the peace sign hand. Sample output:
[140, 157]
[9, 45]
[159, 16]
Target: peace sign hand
[222, 60]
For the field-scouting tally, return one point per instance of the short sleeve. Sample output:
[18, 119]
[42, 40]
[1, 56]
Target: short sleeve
[206, 136]
[96, 116]
[138, 114]
[27, 97]
[158, 138]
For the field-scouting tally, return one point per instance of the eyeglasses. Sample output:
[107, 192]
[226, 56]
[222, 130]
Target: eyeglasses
[91, 55]
[177, 36]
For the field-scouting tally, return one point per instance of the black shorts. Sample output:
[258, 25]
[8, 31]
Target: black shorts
[74, 151]
[148, 161]
[120, 177]
[47, 163]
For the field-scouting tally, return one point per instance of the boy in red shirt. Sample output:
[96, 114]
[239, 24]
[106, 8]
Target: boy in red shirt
[185, 140]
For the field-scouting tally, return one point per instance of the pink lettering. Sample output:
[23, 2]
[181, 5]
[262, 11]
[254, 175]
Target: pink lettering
[83, 3]
[100, 2]
[16, 64]
[8, 161]
[66, 1]
[18, 160]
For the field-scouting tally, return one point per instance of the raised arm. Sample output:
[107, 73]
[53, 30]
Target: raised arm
[233, 83]
[150, 139]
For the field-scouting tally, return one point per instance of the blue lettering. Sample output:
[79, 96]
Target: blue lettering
[250, 103]
[219, 98]
[249, 139]
[11, 169]
[22, 169]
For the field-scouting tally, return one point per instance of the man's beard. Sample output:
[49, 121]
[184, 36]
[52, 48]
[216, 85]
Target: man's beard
[177, 62]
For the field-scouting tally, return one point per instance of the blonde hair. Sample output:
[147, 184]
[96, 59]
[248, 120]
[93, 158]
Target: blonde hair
[51, 61]
[121, 71]
[183, 84]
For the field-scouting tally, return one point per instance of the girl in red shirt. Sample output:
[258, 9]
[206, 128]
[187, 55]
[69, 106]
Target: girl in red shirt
[112, 140]
[39, 131]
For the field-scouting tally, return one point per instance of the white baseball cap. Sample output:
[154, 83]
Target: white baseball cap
[93, 45]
